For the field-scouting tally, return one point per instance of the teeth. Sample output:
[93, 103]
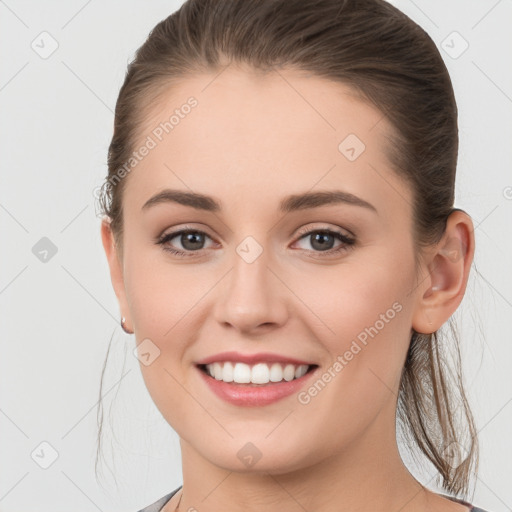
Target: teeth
[260, 373]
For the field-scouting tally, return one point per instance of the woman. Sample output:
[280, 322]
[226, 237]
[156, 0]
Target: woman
[281, 237]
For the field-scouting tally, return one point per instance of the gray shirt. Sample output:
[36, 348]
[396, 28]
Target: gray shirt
[157, 506]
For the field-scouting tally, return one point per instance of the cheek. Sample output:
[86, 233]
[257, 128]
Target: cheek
[368, 312]
[358, 297]
[161, 293]
[165, 304]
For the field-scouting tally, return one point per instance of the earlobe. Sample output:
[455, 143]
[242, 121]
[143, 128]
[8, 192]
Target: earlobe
[116, 269]
[447, 274]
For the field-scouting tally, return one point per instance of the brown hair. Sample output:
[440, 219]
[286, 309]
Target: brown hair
[390, 62]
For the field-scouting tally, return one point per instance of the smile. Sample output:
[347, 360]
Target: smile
[254, 385]
[259, 373]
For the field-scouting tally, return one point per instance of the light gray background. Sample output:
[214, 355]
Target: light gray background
[58, 316]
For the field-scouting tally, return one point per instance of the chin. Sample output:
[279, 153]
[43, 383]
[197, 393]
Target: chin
[259, 457]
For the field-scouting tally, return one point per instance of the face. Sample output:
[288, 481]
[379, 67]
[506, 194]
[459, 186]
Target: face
[330, 283]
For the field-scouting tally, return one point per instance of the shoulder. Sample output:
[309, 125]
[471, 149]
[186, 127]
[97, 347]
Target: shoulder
[159, 504]
[471, 507]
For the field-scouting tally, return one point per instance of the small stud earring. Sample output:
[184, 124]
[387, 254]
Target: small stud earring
[123, 319]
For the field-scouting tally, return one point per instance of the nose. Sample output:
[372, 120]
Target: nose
[252, 297]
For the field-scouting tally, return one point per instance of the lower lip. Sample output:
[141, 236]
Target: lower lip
[254, 395]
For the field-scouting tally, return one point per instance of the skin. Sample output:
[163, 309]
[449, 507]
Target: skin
[252, 140]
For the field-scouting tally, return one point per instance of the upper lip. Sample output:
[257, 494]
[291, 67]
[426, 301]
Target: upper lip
[260, 357]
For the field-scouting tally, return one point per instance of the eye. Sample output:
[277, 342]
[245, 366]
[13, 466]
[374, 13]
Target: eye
[322, 240]
[191, 240]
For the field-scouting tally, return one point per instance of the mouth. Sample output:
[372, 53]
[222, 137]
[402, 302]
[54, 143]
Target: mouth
[255, 375]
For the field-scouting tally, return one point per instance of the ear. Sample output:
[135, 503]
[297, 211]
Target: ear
[447, 271]
[116, 269]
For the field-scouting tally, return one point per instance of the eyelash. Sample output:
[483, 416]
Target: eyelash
[348, 242]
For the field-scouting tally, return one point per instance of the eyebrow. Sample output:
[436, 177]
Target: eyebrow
[288, 204]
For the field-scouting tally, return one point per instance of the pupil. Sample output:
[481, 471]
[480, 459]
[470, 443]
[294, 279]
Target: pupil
[191, 239]
[322, 236]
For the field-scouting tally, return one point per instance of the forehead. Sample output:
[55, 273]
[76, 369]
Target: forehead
[251, 138]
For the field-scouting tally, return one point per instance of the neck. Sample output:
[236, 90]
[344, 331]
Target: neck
[368, 475]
